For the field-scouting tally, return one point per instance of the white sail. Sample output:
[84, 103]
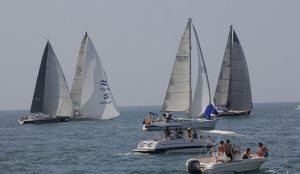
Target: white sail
[90, 92]
[51, 94]
[178, 96]
[202, 96]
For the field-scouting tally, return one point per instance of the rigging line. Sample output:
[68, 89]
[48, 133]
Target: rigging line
[283, 142]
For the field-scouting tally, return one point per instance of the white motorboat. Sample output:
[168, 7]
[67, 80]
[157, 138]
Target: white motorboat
[179, 96]
[178, 144]
[213, 165]
[216, 164]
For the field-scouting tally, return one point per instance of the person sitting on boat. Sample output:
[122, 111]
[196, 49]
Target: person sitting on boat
[262, 150]
[221, 149]
[195, 136]
[228, 149]
[167, 134]
[189, 132]
[246, 155]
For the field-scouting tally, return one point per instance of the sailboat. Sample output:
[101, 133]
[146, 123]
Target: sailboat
[233, 91]
[179, 93]
[51, 100]
[90, 92]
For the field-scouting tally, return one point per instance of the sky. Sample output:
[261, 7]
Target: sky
[137, 42]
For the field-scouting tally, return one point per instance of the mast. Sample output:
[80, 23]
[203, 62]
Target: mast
[190, 45]
[228, 103]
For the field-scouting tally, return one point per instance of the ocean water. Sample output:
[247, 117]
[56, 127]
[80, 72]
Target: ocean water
[106, 146]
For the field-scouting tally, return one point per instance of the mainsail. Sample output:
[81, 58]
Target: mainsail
[179, 93]
[233, 89]
[91, 94]
[51, 94]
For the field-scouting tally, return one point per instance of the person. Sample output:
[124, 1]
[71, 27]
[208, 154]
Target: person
[228, 149]
[167, 133]
[195, 136]
[221, 149]
[168, 117]
[262, 150]
[246, 155]
[189, 132]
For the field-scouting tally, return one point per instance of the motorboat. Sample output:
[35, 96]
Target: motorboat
[222, 164]
[42, 118]
[175, 143]
[213, 165]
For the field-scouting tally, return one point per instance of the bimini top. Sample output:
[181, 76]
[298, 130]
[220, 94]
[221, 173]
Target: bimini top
[221, 132]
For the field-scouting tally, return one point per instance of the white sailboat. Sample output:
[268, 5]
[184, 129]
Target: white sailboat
[91, 94]
[179, 93]
[233, 91]
[51, 100]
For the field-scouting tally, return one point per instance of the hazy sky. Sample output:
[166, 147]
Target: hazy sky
[137, 41]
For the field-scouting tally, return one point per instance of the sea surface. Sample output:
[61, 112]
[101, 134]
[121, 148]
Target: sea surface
[79, 147]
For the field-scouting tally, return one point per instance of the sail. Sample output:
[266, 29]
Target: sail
[51, 95]
[240, 97]
[91, 94]
[178, 96]
[233, 89]
[221, 93]
[202, 96]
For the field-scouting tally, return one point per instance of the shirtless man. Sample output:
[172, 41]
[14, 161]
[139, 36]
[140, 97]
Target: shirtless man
[262, 150]
[221, 149]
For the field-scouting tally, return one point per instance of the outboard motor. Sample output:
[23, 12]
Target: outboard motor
[194, 166]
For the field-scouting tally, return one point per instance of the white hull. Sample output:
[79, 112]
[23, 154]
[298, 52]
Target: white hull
[173, 145]
[183, 123]
[209, 165]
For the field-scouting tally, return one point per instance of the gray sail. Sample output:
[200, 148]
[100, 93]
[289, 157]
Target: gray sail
[240, 97]
[222, 89]
[51, 95]
[233, 89]
[38, 97]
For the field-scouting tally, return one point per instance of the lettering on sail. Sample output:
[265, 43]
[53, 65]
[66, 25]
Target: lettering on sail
[182, 58]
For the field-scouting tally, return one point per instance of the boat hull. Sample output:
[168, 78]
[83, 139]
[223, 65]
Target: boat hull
[244, 165]
[233, 113]
[173, 146]
[45, 120]
[182, 123]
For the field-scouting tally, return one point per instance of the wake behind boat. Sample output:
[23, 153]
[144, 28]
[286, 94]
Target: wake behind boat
[51, 100]
[179, 93]
[233, 92]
